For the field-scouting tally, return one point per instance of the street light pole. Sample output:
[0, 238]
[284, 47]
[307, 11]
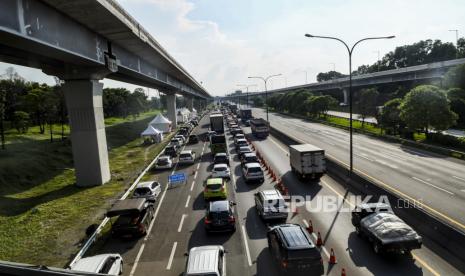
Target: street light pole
[378, 58]
[350, 51]
[247, 89]
[265, 80]
[456, 42]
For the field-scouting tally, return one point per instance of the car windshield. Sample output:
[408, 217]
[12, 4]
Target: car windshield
[185, 155]
[220, 169]
[162, 161]
[254, 170]
[220, 158]
[251, 159]
[141, 191]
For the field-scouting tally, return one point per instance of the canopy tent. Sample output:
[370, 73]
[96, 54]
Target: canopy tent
[152, 134]
[161, 123]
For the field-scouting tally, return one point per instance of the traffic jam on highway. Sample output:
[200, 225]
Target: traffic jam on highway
[228, 198]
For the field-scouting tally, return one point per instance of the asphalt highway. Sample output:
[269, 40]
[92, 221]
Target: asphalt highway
[178, 225]
[437, 182]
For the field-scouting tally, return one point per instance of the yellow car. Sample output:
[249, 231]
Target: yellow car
[215, 188]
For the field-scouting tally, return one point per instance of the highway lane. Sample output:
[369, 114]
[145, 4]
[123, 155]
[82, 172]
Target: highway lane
[433, 179]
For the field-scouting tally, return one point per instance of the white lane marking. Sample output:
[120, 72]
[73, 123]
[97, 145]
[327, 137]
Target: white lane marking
[363, 156]
[247, 252]
[187, 201]
[195, 175]
[325, 251]
[432, 185]
[277, 144]
[459, 178]
[181, 222]
[192, 186]
[386, 164]
[133, 270]
[305, 222]
[233, 178]
[463, 190]
[170, 261]
[198, 166]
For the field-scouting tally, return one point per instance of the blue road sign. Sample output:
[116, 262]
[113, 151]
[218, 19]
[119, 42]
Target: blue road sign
[176, 178]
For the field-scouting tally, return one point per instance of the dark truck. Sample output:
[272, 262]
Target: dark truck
[386, 231]
[260, 128]
[134, 217]
[245, 114]
[218, 144]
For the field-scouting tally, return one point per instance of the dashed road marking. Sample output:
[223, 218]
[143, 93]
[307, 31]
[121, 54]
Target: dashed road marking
[170, 261]
[192, 186]
[181, 222]
[133, 270]
[432, 185]
[187, 201]
[247, 251]
[459, 178]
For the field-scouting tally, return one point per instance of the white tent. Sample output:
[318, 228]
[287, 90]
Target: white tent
[161, 123]
[152, 134]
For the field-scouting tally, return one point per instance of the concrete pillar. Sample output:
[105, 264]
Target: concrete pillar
[171, 109]
[346, 95]
[88, 139]
[190, 103]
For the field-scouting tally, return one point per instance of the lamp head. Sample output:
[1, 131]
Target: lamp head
[308, 35]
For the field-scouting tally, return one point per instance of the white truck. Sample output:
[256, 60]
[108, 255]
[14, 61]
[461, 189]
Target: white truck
[307, 161]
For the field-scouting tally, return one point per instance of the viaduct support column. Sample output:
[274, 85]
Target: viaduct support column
[171, 109]
[190, 104]
[89, 143]
[345, 91]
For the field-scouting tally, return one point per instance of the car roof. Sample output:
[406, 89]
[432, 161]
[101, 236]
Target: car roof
[294, 236]
[218, 206]
[146, 184]
[186, 152]
[216, 180]
[92, 264]
[220, 165]
[245, 148]
[252, 165]
[127, 206]
[203, 259]
[241, 140]
[271, 194]
[221, 154]
[249, 154]
[164, 157]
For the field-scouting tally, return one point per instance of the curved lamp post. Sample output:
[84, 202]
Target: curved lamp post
[265, 80]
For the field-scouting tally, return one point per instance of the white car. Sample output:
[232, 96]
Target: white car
[164, 162]
[110, 264]
[149, 190]
[176, 141]
[239, 136]
[187, 157]
[221, 170]
[206, 260]
[180, 137]
[253, 173]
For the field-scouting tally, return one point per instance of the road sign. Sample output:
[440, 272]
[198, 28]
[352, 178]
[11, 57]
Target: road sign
[177, 178]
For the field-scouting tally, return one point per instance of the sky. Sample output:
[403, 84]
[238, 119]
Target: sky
[222, 42]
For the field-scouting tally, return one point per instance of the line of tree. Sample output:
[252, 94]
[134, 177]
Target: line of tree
[422, 52]
[24, 104]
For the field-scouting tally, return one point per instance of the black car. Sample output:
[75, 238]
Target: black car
[193, 139]
[221, 158]
[134, 217]
[249, 157]
[293, 250]
[219, 217]
[172, 150]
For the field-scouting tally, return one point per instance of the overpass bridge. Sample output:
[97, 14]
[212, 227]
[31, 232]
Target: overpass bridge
[420, 73]
[82, 42]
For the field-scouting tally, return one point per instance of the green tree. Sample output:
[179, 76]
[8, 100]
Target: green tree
[426, 107]
[456, 97]
[389, 118]
[2, 116]
[318, 106]
[21, 121]
[367, 103]
[329, 76]
[461, 48]
[455, 77]
[258, 101]
[36, 102]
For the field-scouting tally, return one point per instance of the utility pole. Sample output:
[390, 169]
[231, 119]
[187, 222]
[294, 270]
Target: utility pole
[265, 80]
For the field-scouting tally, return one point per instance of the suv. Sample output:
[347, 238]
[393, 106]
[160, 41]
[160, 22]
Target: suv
[221, 158]
[238, 136]
[187, 157]
[110, 264]
[220, 217]
[249, 157]
[206, 260]
[134, 217]
[270, 205]
[294, 251]
[215, 188]
[253, 172]
[193, 139]
[241, 143]
[149, 190]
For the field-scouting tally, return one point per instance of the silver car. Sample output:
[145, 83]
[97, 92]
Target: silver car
[253, 173]
[110, 264]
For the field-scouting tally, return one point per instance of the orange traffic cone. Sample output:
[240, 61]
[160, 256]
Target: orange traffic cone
[343, 272]
[332, 257]
[310, 227]
[319, 241]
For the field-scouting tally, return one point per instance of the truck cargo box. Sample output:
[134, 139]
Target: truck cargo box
[307, 161]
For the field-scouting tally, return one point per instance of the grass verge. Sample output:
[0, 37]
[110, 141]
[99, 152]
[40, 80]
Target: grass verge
[43, 215]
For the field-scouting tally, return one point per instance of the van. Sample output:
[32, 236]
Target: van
[270, 205]
[206, 260]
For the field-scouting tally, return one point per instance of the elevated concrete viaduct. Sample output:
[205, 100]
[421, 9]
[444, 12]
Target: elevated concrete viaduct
[82, 42]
